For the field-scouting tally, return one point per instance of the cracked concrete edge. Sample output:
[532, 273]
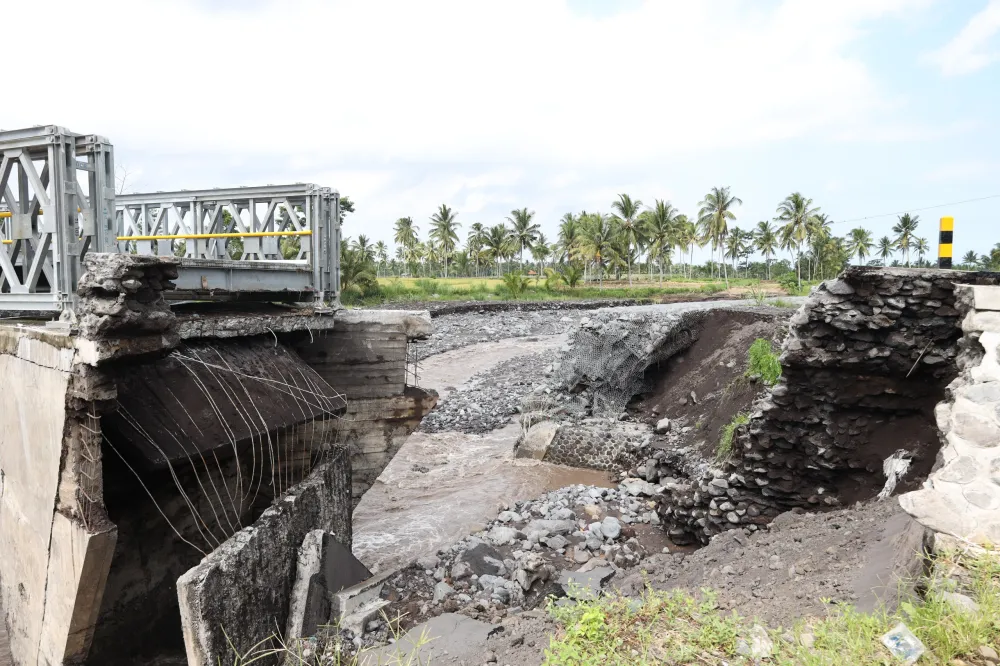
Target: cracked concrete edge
[416, 324]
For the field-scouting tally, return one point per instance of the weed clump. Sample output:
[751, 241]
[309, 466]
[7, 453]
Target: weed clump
[763, 362]
[725, 448]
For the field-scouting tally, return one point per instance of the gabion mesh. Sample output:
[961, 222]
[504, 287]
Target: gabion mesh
[609, 353]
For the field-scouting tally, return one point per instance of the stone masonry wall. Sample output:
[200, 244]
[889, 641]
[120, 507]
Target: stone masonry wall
[865, 363]
[962, 496]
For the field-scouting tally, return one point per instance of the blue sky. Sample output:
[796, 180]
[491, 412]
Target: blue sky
[866, 106]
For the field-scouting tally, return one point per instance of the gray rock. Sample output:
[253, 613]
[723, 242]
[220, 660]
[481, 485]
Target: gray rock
[959, 602]
[663, 426]
[509, 517]
[543, 528]
[556, 542]
[611, 527]
[428, 562]
[962, 469]
[442, 591]
[580, 555]
[491, 583]
[502, 536]
[637, 487]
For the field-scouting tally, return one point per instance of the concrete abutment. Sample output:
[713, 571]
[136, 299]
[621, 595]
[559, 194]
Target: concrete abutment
[148, 453]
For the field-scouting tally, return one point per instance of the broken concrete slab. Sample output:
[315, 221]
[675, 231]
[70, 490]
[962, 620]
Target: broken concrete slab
[537, 440]
[243, 590]
[324, 568]
[457, 636]
[585, 584]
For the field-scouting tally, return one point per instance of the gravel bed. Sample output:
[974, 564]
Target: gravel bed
[460, 330]
[489, 399]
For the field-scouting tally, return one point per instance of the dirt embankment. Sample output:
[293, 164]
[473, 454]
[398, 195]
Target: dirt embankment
[705, 386]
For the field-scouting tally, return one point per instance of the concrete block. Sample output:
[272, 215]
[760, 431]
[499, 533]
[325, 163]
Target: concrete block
[986, 297]
[449, 637]
[537, 440]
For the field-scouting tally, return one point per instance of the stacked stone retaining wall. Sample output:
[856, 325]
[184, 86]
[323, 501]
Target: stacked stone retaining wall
[866, 361]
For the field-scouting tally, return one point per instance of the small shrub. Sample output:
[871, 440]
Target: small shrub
[763, 362]
[757, 294]
[571, 274]
[514, 284]
[725, 448]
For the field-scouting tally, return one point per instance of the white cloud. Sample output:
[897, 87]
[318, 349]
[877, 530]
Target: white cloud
[974, 47]
[408, 104]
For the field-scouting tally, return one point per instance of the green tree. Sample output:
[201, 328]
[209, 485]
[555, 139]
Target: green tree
[798, 214]
[905, 229]
[444, 229]
[523, 229]
[599, 232]
[382, 255]
[499, 242]
[569, 236]
[627, 214]
[660, 230]
[766, 242]
[540, 251]
[860, 243]
[885, 249]
[714, 215]
[687, 236]
[346, 206]
[405, 232]
[970, 260]
[474, 243]
[922, 247]
[367, 250]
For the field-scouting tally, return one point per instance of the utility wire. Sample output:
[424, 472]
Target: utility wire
[914, 210]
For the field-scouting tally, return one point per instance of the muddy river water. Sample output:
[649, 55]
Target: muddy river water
[411, 512]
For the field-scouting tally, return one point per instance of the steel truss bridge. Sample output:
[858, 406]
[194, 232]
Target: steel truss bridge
[58, 202]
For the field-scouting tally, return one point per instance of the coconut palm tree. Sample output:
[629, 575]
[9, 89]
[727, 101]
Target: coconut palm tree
[365, 249]
[474, 243]
[660, 230]
[540, 251]
[444, 229]
[970, 259]
[885, 249]
[405, 232]
[523, 230]
[498, 241]
[798, 214]
[905, 229]
[687, 236]
[599, 232]
[766, 242]
[569, 236]
[860, 243]
[714, 215]
[627, 214]
[382, 254]
[922, 248]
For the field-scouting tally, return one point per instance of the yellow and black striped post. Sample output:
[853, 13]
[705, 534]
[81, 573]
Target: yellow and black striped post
[944, 242]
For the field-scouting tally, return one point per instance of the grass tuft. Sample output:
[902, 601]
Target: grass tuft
[725, 448]
[763, 362]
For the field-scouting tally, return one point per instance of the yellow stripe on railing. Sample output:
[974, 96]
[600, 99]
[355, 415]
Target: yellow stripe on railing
[248, 234]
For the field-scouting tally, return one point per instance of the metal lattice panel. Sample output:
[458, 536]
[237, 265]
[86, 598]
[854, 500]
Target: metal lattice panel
[57, 203]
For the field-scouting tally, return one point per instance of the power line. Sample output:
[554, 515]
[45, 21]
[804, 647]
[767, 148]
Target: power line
[914, 210]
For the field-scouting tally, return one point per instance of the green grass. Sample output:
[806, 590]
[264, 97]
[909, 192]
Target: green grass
[393, 290]
[725, 447]
[763, 362]
[675, 628]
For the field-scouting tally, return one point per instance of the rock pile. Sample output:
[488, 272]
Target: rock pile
[122, 295]
[489, 399]
[568, 542]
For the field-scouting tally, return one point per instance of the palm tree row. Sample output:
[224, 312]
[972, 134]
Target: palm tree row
[648, 237]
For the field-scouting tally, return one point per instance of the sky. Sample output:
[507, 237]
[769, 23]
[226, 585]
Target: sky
[869, 107]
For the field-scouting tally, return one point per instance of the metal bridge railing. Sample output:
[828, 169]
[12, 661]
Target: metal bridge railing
[57, 202]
